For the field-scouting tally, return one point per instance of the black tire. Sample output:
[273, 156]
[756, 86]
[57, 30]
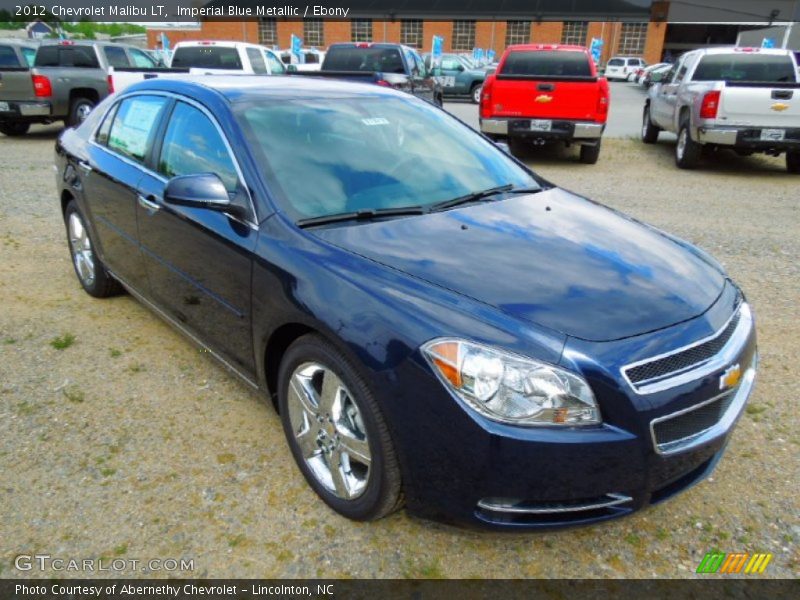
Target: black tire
[687, 151]
[590, 154]
[79, 108]
[793, 161]
[382, 494]
[649, 131]
[102, 284]
[439, 100]
[475, 93]
[14, 129]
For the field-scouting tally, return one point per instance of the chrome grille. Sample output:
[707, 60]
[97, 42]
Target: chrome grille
[677, 430]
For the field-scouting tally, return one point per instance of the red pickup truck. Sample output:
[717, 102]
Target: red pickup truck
[546, 92]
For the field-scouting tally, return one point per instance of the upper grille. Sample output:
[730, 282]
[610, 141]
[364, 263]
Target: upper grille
[682, 360]
[690, 424]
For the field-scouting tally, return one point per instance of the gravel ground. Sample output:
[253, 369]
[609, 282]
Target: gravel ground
[130, 443]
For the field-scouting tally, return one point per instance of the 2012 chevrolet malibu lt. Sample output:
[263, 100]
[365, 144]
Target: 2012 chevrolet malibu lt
[436, 324]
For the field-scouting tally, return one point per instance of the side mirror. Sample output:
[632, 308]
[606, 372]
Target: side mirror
[204, 190]
[291, 68]
[460, 67]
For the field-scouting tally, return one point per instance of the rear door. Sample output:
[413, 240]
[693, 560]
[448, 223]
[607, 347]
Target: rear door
[117, 157]
[423, 84]
[546, 84]
[198, 261]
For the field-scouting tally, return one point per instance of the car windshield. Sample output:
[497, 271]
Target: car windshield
[745, 67]
[545, 63]
[327, 156]
[355, 58]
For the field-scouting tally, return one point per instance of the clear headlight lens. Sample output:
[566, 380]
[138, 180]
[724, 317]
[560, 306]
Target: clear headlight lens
[509, 388]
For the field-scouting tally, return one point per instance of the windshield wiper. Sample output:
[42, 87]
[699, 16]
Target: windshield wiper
[475, 196]
[361, 215]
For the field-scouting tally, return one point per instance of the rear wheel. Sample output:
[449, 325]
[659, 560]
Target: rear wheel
[590, 154]
[649, 131]
[336, 431]
[687, 151]
[14, 129]
[475, 93]
[793, 161]
[91, 272]
[78, 111]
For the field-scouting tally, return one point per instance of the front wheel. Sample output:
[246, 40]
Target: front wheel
[336, 431]
[793, 161]
[687, 151]
[475, 93]
[649, 131]
[14, 129]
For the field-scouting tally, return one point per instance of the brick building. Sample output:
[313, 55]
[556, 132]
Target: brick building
[644, 39]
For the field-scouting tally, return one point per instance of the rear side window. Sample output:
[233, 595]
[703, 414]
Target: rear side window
[616, 62]
[276, 66]
[8, 58]
[141, 59]
[134, 125]
[192, 145]
[634, 62]
[257, 61]
[745, 67]
[30, 55]
[67, 56]
[207, 57]
[352, 58]
[116, 56]
[311, 58]
[547, 64]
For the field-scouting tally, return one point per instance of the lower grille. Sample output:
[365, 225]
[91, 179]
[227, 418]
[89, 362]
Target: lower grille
[677, 430]
[521, 512]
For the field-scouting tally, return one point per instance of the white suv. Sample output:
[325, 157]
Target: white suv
[622, 68]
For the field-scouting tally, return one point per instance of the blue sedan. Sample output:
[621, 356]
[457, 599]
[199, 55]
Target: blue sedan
[436, 324]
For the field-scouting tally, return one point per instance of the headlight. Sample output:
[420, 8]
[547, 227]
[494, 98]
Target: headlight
[509, 388]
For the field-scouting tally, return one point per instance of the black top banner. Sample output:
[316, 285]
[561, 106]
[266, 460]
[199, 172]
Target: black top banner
[186, 11]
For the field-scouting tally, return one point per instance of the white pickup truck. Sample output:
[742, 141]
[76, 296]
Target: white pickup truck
[744, 99]
[226, 58]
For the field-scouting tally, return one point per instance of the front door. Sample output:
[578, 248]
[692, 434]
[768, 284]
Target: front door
[198, 260]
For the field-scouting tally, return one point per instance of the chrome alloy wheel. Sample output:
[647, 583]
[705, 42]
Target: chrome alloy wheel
[681, 147]
[83, 112]
[82, 253]
[329, 431]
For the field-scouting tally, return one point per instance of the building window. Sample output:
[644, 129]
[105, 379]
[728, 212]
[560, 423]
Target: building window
[313, 32]
[268, 32]
[361, 30]
[411, 32]
[632, 38]
[518, 32]
[574, 32]
[463, 36]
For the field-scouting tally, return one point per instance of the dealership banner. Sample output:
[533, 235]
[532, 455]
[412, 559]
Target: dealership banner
[388, 589]
[674, 11]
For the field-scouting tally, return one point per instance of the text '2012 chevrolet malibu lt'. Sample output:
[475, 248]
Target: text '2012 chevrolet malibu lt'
[436, 324]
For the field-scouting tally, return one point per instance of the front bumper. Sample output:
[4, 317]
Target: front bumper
[462, 468]
[560, 129]
[24, 111]
[748, 138]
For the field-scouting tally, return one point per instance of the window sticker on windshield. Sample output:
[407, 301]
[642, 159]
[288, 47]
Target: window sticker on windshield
[375, 121]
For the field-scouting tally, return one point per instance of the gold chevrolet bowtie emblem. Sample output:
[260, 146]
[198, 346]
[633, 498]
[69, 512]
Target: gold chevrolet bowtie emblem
[730, 377]
[543, 98]
[779, 106]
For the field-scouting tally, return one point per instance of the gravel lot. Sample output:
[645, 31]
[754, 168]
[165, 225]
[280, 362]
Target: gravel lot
[127, 442]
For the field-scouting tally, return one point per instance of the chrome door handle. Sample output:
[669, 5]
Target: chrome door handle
[148, 204]
[85, 167]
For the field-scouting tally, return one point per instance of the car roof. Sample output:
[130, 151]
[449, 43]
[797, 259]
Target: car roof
[742, 50]
[221, 43]
[243, 87]
[558, 47]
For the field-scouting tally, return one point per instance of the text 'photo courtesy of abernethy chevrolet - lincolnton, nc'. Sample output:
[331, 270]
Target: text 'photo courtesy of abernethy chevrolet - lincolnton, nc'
[438, 326]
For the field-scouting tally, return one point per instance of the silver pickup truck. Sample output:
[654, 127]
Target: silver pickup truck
[66, 80]
[744, 99]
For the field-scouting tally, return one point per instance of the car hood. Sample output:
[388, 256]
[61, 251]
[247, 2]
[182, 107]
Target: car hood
[551, 258]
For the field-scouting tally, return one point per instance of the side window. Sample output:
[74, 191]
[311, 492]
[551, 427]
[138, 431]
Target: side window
[134, 125]
[141, 59]
[47, 56]
[423, 72]
[8, 58]
[30, 55]
[102, 133]
[116, 56]
[80, 56]
[276, 66]
[678, 71]
[192, 144]
[257, 61]
[450, 64]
